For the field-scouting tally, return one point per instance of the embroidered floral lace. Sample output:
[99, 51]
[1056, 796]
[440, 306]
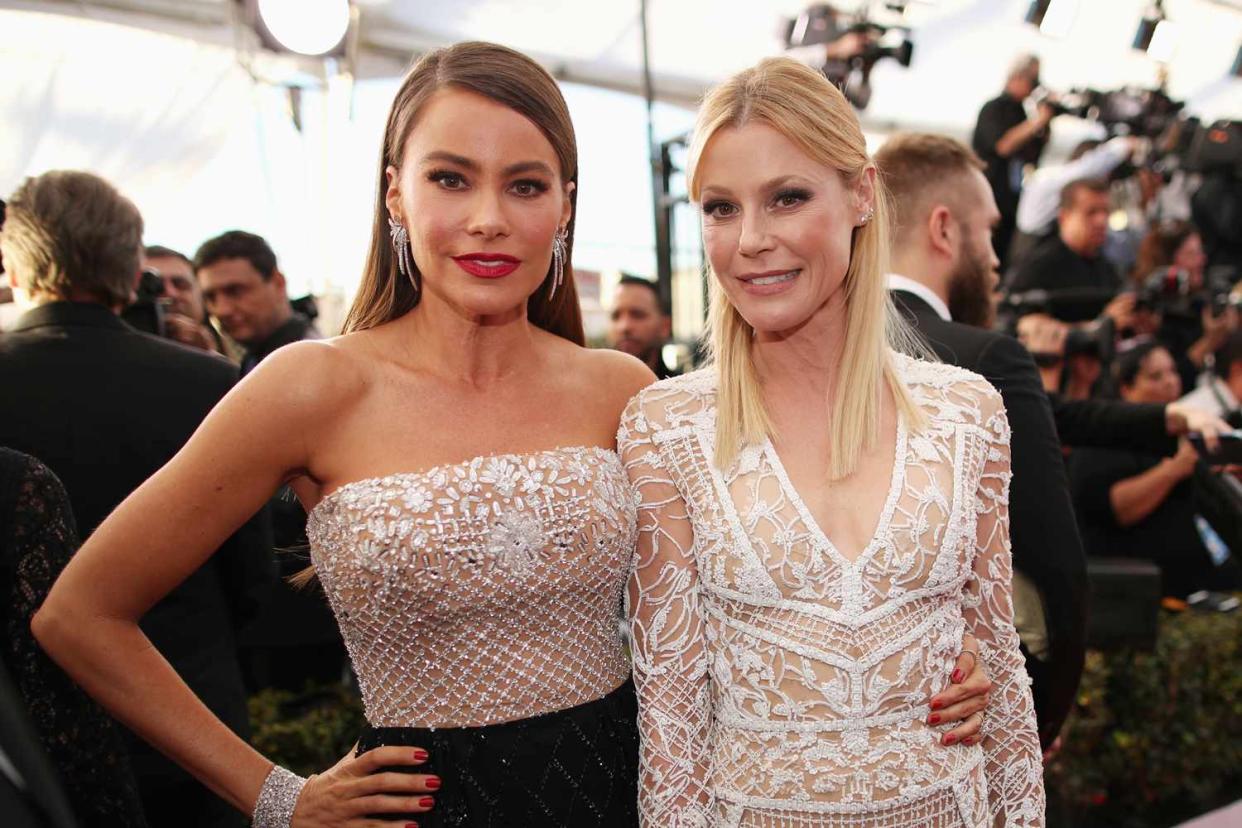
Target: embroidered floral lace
[481, 592]
[781, 684]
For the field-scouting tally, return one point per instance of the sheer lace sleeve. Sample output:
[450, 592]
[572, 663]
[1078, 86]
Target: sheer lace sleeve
[664, 604]
[1010, 739]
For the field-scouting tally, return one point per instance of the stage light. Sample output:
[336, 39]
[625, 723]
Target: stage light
[308, 27]
[1053, 17]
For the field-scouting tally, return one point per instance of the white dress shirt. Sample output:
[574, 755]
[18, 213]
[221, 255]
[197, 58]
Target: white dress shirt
[1041, 194]
[898, 282]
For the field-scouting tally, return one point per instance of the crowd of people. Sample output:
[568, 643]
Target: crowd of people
[811, 536]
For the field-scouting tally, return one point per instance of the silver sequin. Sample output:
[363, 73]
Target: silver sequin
[484, 591]
[277, 799]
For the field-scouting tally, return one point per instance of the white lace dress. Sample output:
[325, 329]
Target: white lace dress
[781, 684]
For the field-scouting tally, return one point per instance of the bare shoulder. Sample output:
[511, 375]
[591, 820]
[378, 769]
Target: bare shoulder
[309, 378]
[614, 373]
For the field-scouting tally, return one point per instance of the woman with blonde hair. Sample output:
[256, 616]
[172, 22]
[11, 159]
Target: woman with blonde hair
[822, 519]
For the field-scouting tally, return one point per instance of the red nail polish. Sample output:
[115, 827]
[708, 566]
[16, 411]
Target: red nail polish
[933, 718]
[420, 755]
[426, 802]
[411, 825]
[433, 782]
[969, 740]
[950, 739]
[936, 705]
[956, 677]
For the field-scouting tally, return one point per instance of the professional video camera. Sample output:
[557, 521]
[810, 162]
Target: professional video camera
[1216, 147]
[1145, 113]
[820, 25]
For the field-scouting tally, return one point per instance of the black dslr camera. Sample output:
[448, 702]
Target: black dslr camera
[146, 312]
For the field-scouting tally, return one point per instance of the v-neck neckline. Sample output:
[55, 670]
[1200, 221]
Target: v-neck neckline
[896, 480]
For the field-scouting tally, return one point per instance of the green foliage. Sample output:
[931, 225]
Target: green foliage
[1156, 737]
[306, 732]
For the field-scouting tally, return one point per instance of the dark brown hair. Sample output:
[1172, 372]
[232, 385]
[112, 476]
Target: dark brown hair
[1071, 190]
[1159, 247]
[513, 80]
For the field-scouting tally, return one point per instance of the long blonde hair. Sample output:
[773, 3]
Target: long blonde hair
[803, 106]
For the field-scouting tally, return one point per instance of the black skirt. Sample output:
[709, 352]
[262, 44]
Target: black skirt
[573, 768]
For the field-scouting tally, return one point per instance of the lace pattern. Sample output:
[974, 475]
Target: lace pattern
[781, 683]
[480, 592]
[37, 540]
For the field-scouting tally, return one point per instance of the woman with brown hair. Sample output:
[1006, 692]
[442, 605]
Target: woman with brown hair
[470, 520]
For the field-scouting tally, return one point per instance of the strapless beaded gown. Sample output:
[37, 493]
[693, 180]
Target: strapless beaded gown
[480, 604]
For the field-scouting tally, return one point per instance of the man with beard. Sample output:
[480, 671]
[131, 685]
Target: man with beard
[943, 281]
[637, 323]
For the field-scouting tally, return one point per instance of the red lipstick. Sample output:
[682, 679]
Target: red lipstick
[487, 265]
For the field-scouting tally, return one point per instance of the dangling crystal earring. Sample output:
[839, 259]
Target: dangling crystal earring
[401, 247]
[559, 249]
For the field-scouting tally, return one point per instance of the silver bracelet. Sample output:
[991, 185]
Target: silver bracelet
[277, 798]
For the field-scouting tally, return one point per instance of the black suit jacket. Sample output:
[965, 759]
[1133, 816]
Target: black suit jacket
[1043, 531]
[104, 407]
[1113, 424]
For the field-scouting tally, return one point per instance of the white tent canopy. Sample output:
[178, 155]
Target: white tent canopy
[962, 46]
[165, 98]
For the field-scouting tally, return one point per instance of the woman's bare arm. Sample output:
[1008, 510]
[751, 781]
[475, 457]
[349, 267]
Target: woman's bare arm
[258, 436]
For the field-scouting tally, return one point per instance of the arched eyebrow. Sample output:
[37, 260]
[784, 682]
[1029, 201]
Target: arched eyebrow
[767, 187]
[469, 164]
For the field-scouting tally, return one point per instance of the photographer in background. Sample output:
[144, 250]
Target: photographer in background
[1041, 192]
[1007, 140]
[1071, 258]
[1137, 505]
[185, 319]
[1193, 317]
[1221, 392]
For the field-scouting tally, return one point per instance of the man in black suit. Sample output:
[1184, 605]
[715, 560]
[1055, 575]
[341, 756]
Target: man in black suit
[943, 282]
[104, 407]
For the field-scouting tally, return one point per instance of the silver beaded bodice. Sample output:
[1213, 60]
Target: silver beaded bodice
[480, 592]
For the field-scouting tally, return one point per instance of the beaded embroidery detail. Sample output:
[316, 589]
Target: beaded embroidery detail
[783, 684]
[480, 592]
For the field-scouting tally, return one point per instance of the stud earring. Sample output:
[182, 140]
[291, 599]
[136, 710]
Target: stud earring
[867, 216]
